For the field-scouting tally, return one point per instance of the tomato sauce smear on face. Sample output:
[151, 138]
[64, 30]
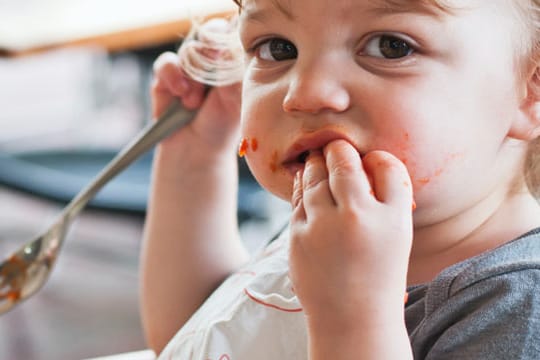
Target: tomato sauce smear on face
[247, 144]
[243, 148]
[254, 144]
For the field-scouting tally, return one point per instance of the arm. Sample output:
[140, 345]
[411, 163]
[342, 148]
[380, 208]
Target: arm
[351, 232]
[191, 240]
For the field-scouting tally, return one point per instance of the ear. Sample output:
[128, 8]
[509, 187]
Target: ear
[527, 124]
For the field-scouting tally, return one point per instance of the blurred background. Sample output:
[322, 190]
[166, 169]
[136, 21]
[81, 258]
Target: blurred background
[74, 80]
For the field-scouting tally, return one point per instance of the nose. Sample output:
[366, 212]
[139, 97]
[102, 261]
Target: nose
[316, 87]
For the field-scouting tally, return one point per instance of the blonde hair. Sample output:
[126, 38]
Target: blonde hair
[211, 53]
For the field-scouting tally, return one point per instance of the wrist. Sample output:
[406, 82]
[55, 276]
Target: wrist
[353, 318]
[196, 147]
[367, 338]
[193, 159]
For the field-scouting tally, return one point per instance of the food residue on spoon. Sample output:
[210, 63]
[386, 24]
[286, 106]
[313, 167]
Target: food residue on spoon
[13, 274]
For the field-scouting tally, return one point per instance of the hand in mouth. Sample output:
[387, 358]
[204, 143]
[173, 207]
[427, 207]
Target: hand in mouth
[297, 154]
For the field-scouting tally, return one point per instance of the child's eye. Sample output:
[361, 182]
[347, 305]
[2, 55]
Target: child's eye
[276, 50]
[388, 46]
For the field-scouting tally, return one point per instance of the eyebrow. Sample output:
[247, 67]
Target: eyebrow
[284, 9]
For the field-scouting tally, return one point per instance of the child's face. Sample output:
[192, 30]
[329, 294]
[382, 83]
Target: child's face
[437, 90]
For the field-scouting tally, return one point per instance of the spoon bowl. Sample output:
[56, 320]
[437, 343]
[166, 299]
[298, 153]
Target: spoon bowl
[24, 272]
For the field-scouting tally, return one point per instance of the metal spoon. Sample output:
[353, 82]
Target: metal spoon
[25, 271]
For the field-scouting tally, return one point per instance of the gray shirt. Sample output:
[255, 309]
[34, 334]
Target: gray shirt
[486, 307]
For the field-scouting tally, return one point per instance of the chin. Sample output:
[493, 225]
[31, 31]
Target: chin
[282, 189]
[281, 192]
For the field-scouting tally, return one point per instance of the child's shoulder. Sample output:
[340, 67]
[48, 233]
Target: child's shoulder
[516, 258]
[512, 263]
[487, 305]
[509, 273]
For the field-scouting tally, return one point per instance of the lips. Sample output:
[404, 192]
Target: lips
[297, 154]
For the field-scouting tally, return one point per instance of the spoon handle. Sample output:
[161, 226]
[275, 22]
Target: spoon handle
[175, 117]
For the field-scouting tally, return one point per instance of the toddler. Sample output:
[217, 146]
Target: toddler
[404, 134]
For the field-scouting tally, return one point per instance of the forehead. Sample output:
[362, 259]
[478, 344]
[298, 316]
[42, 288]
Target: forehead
[423, 6]
[432, 7]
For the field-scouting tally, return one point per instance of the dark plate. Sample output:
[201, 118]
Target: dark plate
[60, 175]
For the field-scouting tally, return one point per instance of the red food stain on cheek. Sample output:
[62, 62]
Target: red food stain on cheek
[243, 147]
[400, 146]
[254, 144]
[274, 161]
[403, 145]
[447, 161]
[246, 144]
[423, 181]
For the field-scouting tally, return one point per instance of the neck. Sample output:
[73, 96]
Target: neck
[486, 226]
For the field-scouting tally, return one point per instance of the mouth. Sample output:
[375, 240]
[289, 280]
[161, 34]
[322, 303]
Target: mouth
[298, 162]
[303, 157]
[298, 153]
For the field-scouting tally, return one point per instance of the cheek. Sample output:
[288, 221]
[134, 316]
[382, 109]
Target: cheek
[261, 148]
[265, 167]
[263, 136]
[252, 126]
[428, 158]
[254, 140]
[260, 155]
